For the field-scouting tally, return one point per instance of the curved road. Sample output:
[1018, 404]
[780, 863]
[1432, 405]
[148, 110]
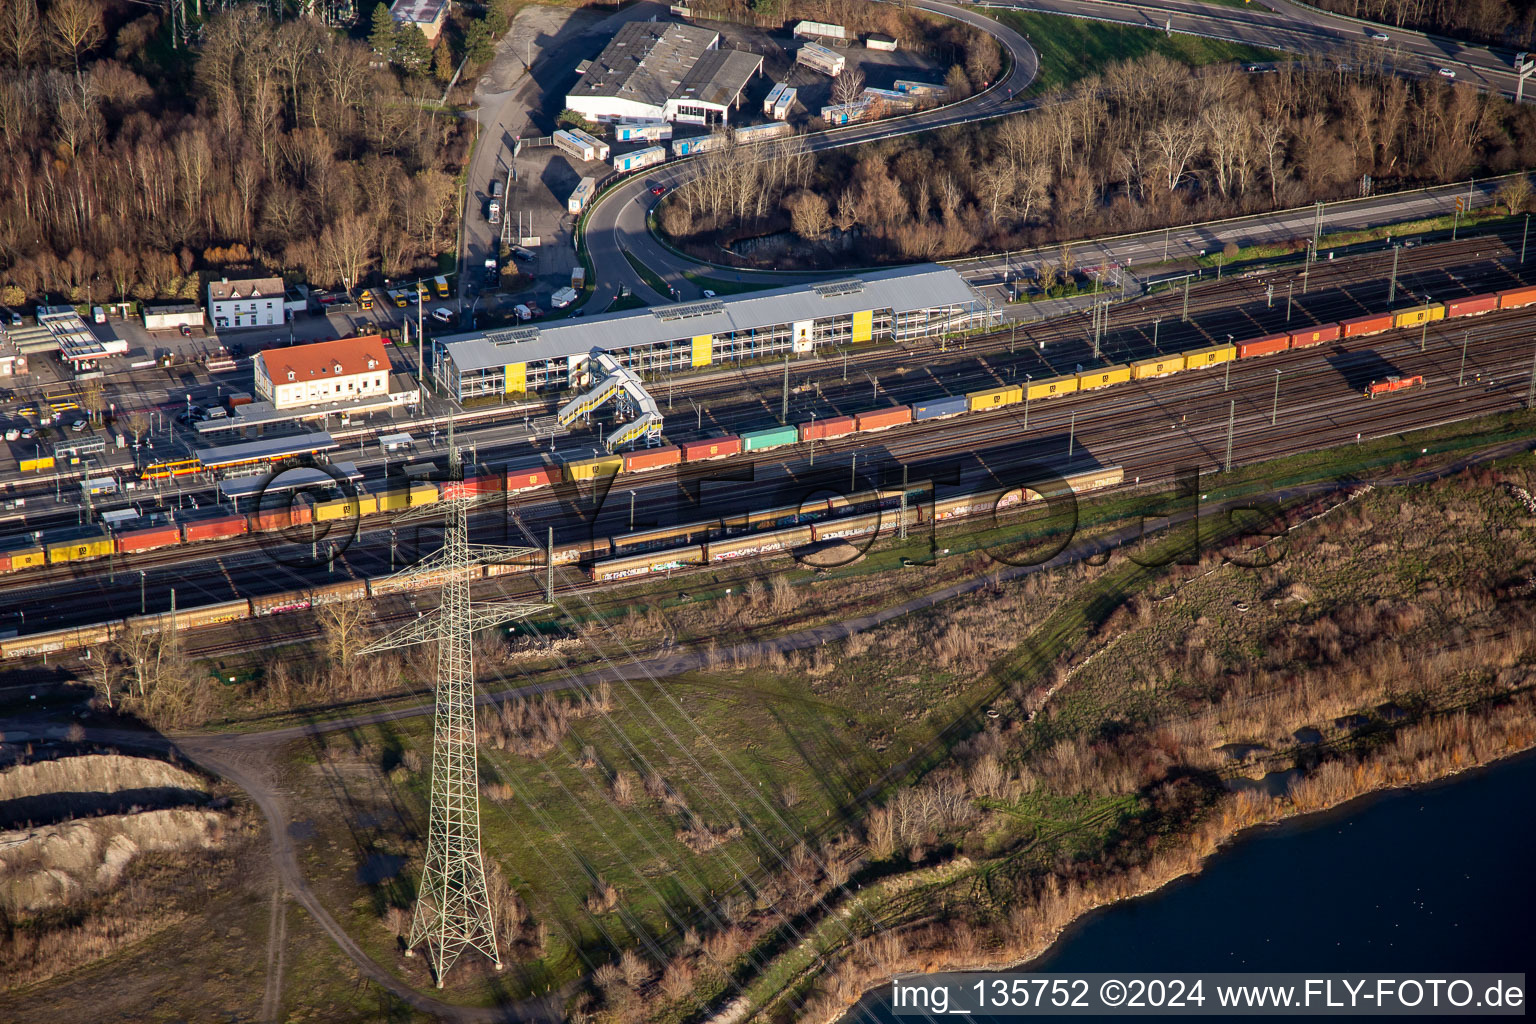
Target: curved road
[618, 222]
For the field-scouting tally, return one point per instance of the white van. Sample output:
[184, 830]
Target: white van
[99, 314]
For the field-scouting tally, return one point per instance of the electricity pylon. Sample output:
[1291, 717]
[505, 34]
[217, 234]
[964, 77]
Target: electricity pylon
[453, 910]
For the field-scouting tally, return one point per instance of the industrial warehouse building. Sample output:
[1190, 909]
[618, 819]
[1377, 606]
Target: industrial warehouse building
[664, 71]
[903, 303]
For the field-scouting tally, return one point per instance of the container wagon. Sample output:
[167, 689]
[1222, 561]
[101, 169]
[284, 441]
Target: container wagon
[832, 426]
[1088, 380]
[665, 537]
[1210, 356]
[528, 477]
[147, 538]
[773, 437]
[77, 545]
[762, 132]
[644, 131]
[652, 458]
[711, 448]
[1472, 305]
[697, 144]
[1050, 388]
[647, 157]
[22, 558]
[1315, 336]
[995, 398]
[839, 529]
[581, 195]
[591, 469]
[940, 408]
[1391, 384]
[214, 528]
[1158, 366]
[645, 565]
[1265, 346]
[819, 58]
[1360, 326]
[1417, 315]
[577, 143]
[1514, 298]
[882, 419]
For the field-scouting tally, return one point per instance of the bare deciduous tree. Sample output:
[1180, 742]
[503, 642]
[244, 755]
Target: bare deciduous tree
[848, 86]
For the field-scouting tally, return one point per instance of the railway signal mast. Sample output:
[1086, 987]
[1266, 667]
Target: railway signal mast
[453, 910]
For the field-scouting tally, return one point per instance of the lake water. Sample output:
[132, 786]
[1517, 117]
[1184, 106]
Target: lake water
[1437, 879]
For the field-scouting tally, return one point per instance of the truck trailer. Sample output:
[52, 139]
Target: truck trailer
[820, 58]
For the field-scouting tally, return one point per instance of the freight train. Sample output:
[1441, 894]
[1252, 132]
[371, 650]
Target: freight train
[24, 555]
[756, 534]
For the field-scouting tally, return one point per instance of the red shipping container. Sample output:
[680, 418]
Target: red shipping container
[1263, 346]
[832, 426]
[652, 458]
[1359, 326]
[148, 540]
[1472, 305]
[1514, 298]
[214, 529]
[5, 561]
[879, 419]
[527, 479]
[1314, 336]
[711, 448]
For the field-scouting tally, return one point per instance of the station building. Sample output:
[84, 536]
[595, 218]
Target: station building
[664, 71]
[326, 371]
[904, 303]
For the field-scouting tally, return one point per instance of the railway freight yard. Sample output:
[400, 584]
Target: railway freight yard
[666, 514]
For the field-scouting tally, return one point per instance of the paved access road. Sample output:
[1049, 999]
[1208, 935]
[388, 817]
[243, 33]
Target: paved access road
[618, 223]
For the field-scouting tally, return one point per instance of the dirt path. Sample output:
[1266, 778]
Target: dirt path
[249, 760]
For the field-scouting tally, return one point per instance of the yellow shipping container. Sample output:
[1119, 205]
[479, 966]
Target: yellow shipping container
[1161, 366]
[423, 494]
[994, 398]
[1418, 315]
[36, 465]
[346, 508]
[1048, 388]
[26, 558]
[389, 501]
[76, 550]
[1103, 378]
[703, 349]
[1209, 356]
[591, 469]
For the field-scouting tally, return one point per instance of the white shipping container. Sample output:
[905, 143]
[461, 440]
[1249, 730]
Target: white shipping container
[577, 143]
[697, 144]
[819, 58]
[845, 113]
[785, 102]
[580, 196]
[648, 131]
[876, 41]
[639, 158]
[762, 132]
[773, 97]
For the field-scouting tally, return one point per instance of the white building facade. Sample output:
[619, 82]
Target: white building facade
[252, 302]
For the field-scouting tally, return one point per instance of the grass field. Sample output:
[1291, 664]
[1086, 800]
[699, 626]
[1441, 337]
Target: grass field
[649, 276]
[722, 286]
[1071, 48]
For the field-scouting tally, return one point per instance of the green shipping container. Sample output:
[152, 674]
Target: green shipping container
[774, 437]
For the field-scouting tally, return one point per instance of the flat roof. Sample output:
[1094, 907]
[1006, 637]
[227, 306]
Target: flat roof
[718, 77]
[420, 12]
[265, 448]
[903, 289]
[645, 61]
[295, 479]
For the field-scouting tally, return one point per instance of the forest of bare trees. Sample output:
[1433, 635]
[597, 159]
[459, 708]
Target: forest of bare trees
[1148, 143]
[1507, 22]
[287, 144]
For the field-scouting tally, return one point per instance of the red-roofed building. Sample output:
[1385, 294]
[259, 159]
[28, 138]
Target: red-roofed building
[326, 371]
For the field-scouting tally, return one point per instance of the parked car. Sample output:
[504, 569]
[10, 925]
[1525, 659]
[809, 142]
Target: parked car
[15, 319]
[13, 434]
[443, 314]
[1447, 73]
[709, 293]
[526, 255]
[77, 425]
[27, 433]
[186, 331]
